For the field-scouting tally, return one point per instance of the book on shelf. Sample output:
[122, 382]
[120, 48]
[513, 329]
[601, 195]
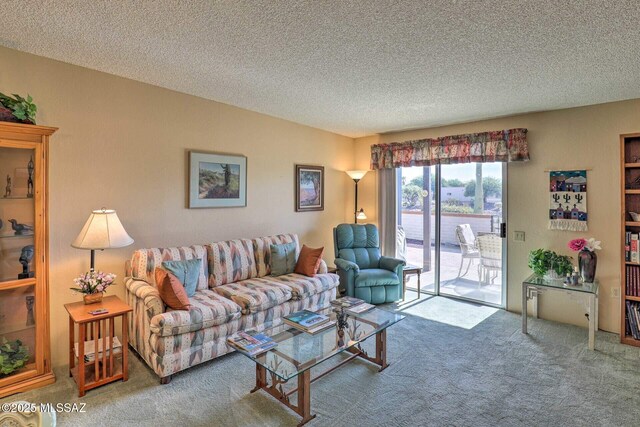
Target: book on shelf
[632, 282]
[251, 342]
[634, 255]
[90, 349]
[306, 320]
[627, 246]
[633, 318]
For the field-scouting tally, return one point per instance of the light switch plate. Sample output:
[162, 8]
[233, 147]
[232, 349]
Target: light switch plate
[518, 236]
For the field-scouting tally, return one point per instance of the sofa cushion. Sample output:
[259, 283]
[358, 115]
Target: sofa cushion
[145, 261]
[231, 261]
[186, 271]
[207, 309]
[309, 261]
[255, 295]
[283, 258]
[171, 344]
[171, 290]
[303, 286]
[262, 250]
[376, 277]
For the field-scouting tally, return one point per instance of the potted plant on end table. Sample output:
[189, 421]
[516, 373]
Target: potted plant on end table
[93, 284]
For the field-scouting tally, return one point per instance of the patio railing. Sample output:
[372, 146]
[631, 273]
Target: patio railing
[412, 222]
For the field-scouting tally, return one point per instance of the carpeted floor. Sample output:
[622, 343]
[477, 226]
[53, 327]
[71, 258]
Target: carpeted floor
[452, 364]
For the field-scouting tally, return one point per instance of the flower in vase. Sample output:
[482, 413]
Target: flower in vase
[93, 282]
[577, 244]
[593, 245]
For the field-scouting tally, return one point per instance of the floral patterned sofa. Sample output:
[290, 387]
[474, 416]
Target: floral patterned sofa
[235, 292]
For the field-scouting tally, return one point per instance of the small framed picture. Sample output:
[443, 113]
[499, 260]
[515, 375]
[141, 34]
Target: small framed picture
[309, 188]
[217, 180]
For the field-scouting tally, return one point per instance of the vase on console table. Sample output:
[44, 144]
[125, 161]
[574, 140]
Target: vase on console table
[587, 262]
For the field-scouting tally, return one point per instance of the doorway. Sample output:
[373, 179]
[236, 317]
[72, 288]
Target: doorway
[454, 229]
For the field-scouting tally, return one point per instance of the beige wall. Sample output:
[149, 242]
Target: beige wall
[122, 145]
[586, 137]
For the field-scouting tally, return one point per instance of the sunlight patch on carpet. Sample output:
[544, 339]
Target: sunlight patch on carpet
[451, 312]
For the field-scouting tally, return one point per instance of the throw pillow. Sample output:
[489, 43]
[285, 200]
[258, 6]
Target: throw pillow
[186, 271]
[283, 258]
[309, 261]
[171, 290]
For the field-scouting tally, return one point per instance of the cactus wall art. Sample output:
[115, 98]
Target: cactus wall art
[568, 200]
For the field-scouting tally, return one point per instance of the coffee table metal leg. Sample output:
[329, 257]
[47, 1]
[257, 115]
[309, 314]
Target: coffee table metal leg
[304, 397]
[381, 349]
[261, 378]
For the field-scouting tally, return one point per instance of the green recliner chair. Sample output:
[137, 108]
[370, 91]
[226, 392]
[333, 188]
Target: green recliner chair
[363, 272]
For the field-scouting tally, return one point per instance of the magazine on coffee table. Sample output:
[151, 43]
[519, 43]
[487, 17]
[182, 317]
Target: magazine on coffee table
[251, 342]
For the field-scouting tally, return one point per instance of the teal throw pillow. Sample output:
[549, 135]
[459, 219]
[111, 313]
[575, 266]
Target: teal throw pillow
[186, 271]
[283, 258]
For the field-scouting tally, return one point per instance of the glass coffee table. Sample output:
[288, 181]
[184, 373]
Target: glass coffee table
[297, 352]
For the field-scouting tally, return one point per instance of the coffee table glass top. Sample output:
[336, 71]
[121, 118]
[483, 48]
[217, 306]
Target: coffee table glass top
[590, 288]
[298, 351]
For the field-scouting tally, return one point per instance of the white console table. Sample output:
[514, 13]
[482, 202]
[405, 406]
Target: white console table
[535, 285]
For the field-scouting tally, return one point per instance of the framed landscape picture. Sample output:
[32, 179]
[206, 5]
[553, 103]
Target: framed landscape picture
[309, 188]
[217, 180]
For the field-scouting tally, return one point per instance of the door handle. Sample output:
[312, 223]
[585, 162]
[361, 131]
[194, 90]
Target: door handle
[503, 230]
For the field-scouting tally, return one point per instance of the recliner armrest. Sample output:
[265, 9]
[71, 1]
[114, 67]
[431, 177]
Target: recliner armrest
[391, 264]
[343, 264]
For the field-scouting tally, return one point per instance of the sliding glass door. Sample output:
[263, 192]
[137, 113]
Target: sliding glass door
[451, 217]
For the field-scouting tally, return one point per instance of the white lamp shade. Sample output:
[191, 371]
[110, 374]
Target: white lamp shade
[361, 214]
[356, 174]
[103, 230]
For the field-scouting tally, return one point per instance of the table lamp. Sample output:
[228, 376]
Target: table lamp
[103, 230]
[357, 176]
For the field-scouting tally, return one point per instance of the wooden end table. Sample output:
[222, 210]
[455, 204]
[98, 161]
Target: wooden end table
[407, 271]
[104, 368]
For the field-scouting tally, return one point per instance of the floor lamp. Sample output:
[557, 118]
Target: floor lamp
[357, 176]
[103, 230]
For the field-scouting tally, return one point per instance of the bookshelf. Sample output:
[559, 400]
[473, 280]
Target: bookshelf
[630, 201]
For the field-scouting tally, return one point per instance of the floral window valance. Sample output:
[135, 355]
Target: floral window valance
[509, 145]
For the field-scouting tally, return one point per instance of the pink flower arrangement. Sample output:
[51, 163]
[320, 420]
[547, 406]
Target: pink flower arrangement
[93, 282]
[577, 244]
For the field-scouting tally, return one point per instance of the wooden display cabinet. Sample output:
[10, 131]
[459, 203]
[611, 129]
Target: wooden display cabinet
[24, 267]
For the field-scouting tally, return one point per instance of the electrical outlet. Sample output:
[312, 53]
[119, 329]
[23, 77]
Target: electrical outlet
[615, 293]
[518, 236]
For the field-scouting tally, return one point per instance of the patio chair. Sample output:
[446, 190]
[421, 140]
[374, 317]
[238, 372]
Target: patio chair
[467, 242]
[490, 248]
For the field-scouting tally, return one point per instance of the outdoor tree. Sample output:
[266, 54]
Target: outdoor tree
[412, 196]
[490, 187]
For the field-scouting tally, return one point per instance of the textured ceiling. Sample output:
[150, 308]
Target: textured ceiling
[352, 67]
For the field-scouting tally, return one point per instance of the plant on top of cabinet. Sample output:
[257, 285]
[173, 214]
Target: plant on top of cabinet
[17, 109]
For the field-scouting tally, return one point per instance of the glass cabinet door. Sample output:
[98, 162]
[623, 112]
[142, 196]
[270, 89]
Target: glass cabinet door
[19, 288]
[17, 213]
[17, 331]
